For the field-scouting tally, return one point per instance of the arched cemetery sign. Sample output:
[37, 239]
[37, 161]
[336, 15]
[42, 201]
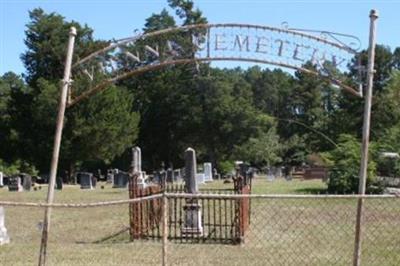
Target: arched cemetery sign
[325, 56]
[281, 47]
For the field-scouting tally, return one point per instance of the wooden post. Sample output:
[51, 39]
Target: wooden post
[56, 149]
[365, 139]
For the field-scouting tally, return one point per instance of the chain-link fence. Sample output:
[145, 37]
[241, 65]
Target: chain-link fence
[280, 230]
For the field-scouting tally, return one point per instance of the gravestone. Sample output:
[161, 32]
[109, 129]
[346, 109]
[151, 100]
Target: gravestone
[190, 171]
[156, 177]
[216, 175]
[1, 179]
[86, 180]
[200, 178]
[183, 173]
[192, 209]
[207, 172]
[278, 173]
[14, 184]
[110, 175]
[163, 178]
[59, 183]
[170, 175]
[4, 238]
[121, 180]
[270, 174]
[26, 182]
[94, 181]
[177, 175]
[136, 166]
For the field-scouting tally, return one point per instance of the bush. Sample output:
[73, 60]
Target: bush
[226, 167]
[18, 167]
[344, 162]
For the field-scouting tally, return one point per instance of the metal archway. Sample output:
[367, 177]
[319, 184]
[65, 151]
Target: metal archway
[282, 47]
[289, 48]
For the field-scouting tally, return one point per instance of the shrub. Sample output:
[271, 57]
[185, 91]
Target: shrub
[344, 162]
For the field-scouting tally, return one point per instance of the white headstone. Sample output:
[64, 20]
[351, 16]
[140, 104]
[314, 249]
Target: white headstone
[177, 175]
[137, 166]
[270, 175]
[207, 172]
[1, 179]
[4, 238]
[200, 178]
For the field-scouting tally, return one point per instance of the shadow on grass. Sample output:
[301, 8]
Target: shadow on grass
[312, 191]
[118, 237]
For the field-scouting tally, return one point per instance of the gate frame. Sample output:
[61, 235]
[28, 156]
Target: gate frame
[364, 151]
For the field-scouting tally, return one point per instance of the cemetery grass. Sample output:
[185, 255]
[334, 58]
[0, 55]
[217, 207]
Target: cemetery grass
[98, 236]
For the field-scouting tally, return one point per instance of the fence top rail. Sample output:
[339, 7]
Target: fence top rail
[78, 205]
[278, 196]
[195, 196]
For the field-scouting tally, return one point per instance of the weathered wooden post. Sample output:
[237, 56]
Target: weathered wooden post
[365, 139]
[56, 149]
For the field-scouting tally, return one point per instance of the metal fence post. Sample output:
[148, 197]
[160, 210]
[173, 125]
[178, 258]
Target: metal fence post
[57, 143]
[365, 140]
[164, 228]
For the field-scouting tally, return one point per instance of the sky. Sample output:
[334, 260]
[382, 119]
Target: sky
[119, 18]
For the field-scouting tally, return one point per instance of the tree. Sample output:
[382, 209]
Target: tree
[98, 129]
[12, 89]
[159, 21]
[388, 143]
[46, 39]
[261, 150]
[386, 106]
[163, 97]
[226, 122]
[384, 63]
[185, 11]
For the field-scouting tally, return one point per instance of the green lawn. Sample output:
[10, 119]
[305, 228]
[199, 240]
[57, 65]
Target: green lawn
[282, 232]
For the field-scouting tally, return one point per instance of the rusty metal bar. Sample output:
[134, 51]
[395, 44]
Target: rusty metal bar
[165, 229]
[209, 229]
[175, 217]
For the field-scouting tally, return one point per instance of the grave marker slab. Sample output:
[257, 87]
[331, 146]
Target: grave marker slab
[121, 180]
[4, 238]
[26, 182]
[170, 175]
[86, 180]
[207, 172]
[177, 175]
[200, 178]
[59, 183]
[190, 171]
[14, 184]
